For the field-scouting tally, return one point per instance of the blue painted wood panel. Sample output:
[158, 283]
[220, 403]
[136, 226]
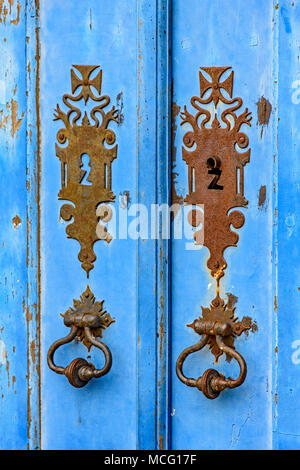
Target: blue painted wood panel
[18, 285]
[287, 414]
[152, 288]
[239, 35]
[103, 414]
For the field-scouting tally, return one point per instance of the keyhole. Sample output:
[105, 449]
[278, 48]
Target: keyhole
[85, 169]
[213, 165]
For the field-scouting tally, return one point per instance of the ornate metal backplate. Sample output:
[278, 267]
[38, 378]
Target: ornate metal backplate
[85, 141]
[215, 165]
[219, 312]
[213, 152]
[86, 312]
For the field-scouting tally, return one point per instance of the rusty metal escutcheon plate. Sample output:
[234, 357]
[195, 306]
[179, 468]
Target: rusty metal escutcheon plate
[85, 141]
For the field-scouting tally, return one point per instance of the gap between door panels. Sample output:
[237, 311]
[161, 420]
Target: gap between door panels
[154, 256]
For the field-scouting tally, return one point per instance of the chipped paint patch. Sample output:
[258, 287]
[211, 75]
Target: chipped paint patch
[120, 107]
[16, 221]
[11, 116]
[264, 109]
[16, 21]
[8, 9]
[15, 122]
[3, 353]
[250, 324]
[262, 194]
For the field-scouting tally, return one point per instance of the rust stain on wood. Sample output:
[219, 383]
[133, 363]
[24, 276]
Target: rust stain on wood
[15, 122]
[264, 109]
[32, 351]
[7, 370]
[6, 9]
[3, 119]
[33, 260]
[11, 117]
[17, 19]
[16, 221]
[262, 197]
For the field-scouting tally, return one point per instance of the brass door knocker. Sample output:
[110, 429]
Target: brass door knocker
[85, 141]
[216, 181]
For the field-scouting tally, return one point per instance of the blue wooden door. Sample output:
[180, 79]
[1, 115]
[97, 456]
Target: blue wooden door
[257, 40]
[144, 58]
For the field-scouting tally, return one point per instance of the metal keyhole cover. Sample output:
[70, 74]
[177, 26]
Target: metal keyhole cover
[214, 151]
[86, 152]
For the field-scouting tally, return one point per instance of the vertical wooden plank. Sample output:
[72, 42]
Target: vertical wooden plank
[163, 254]
[153, 166]
[146, 255]
[287, 425]
[275, 121]
[33, 222]
[239, 35]
[101, 415]
[13, 227]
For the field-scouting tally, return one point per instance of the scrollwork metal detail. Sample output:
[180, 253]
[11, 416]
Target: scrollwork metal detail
[215, 150]
[215, 166]
[85, 139]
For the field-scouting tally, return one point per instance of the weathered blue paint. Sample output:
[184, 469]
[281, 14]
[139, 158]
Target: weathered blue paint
[163, 197]
[146, 251]
[153, 167]
[33, 224]
[103, 414]
[137, 405]
[14, 283]
[287, 424]
[239, 35]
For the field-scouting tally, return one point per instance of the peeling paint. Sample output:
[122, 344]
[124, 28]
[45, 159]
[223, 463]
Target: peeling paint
[247, 321]
[3, 353]
[7, 9]
[7, 370]
[11, 117]
[15, 122]
[120, 106]
[16, 21]
[32, 351]
[262, 194]
[264, 109]
[16, 221]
